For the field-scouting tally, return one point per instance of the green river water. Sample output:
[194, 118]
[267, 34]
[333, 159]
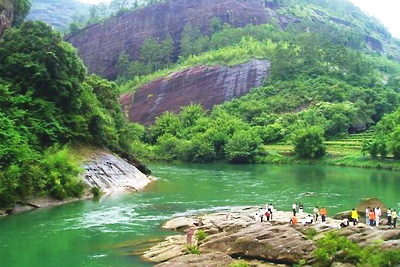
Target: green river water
[106, 232]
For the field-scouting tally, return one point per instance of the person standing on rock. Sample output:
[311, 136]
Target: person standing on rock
[294, 207]
[394, 218]
[315, 213]
[301, 208]
[268, 215]
[389, 217]
[270, 209]
[371, 217]
[354, 216]
[378, 214]
[190, 234]
[367, 210]
[323, 213]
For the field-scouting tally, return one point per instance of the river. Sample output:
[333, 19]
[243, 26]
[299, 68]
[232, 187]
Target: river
[108, 231]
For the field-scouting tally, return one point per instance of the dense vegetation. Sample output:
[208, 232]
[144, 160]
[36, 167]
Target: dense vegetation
[59, 13]
[336, 248]
[47, 101]
[324, 82]
[316, 83]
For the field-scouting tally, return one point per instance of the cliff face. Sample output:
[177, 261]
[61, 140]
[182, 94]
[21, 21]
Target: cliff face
[207, 86]
[6, 15]
[100, 45]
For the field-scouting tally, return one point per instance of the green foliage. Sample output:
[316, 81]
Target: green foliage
[311, 232]
[239, 263]
[201, 235]
[193, 249]
[47, 100]
[334, 247]
[309, 143]
[21, 10]
[243, 147]
[95, 191]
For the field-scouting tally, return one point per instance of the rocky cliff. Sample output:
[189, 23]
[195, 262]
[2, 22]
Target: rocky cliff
[207, 86]
[99, 45]
[6, 15]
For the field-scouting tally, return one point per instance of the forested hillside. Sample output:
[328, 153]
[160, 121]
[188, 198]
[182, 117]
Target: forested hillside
[49, 103]
[328, 78]
[59, 13]
[332, 71]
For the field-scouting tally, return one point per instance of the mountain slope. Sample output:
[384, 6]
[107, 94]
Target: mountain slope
[58, 13]
[101, 44]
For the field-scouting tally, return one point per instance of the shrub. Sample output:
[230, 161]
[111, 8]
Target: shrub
[309, 143]
[193, 249]
[201, 235]
[239, 263]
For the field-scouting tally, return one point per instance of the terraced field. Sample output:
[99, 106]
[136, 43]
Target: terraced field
[349, 145]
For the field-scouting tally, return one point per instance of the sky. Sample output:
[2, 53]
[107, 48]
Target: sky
[387, 11]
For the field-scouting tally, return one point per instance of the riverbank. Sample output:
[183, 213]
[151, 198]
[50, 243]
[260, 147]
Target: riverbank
[355, 160]
[102, 170]
[225, 237]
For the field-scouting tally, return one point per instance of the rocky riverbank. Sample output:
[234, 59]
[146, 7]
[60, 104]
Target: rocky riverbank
[235, 234]
[102, 169]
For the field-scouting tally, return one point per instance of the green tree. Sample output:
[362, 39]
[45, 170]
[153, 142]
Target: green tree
[309, 142]
[243, 147]
[21, 10]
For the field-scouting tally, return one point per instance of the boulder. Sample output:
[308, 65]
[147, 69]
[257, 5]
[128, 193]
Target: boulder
[112, 173]
[371, 202]
[342, 215]
[172, 247]
[179, 223]
[275, 243]
[194, 260]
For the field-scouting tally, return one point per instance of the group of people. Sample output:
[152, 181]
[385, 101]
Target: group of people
[372, 216]
[264, 214]
[322, 212]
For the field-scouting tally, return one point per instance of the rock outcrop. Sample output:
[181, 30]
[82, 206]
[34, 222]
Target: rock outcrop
[103, 169]
[6, 15]
[207, 86]
[111, 173]
[236, 234]
[194, 260]
[99, 45]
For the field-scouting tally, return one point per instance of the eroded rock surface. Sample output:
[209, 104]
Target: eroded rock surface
[6, 15]
[207, 86]
[111, 173]
[194, 260]
[100, 45]
[236, 234]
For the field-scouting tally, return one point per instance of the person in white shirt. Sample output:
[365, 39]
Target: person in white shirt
[301, 208]
[315, 213]
[378, 214]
